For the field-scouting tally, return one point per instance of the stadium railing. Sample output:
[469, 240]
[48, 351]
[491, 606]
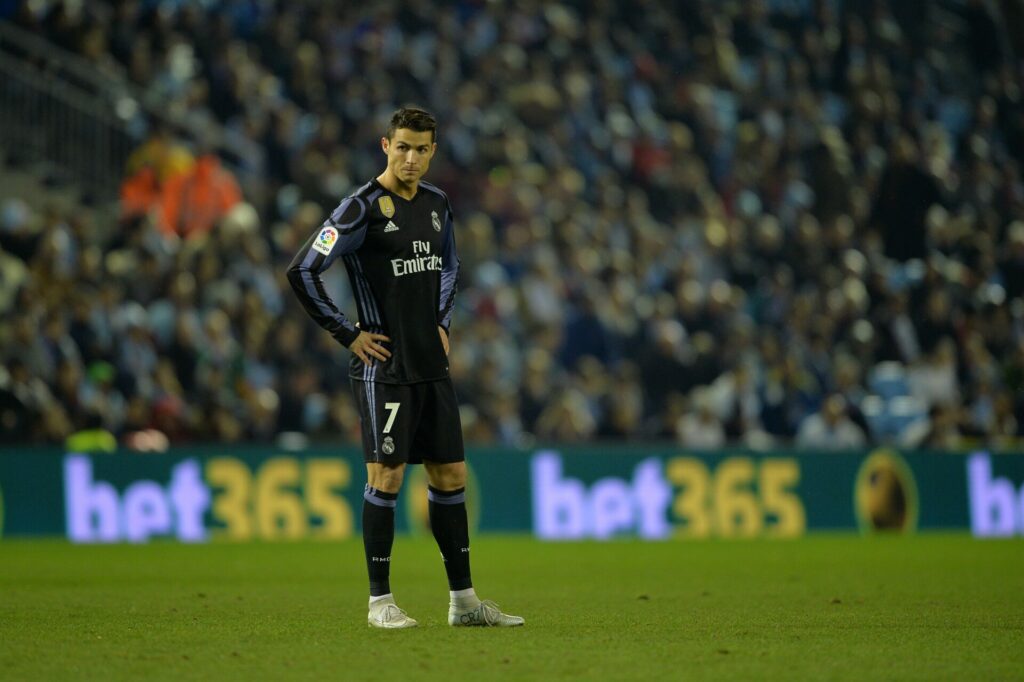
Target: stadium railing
[61, 111]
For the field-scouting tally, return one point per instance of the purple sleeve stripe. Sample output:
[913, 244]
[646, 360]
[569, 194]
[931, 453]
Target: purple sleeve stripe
[449, 274]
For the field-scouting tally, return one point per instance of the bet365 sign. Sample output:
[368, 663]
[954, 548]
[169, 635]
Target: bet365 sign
[219, 498]
[997, 505]
[678, 497]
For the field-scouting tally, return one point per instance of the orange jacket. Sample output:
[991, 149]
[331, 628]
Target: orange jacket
[193, 202]
[140, 193]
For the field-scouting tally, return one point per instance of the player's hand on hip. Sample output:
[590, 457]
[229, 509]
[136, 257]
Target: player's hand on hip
[444, 338]
[368, 346]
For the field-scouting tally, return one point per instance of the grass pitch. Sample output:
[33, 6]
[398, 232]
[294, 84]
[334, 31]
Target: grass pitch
[841, 608]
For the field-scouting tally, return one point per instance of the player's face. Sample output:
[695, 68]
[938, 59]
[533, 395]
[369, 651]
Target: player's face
[409, 154]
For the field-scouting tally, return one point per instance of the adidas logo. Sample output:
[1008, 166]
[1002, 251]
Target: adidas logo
[391, 227]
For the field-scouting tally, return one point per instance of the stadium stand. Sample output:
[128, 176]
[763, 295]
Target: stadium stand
[717, 219]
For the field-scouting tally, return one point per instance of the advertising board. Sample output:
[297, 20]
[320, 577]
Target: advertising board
[214, 493]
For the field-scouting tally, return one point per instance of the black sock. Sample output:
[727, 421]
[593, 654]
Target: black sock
[451, 530]
[378, 536]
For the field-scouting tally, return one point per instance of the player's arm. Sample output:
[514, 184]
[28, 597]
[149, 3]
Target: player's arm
[342, 233]
[449, 279]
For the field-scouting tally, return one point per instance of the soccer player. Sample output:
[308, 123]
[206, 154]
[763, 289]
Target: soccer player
[396, 237]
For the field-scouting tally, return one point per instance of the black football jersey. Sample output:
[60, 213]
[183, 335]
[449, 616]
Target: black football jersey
[403, 268]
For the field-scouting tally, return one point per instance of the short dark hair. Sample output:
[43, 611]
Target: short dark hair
[413, 118]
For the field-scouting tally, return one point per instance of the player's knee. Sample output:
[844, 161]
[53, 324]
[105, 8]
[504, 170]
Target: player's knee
[446, 476]
[385, 477]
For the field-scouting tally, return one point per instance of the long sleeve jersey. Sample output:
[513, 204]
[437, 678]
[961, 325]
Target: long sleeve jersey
[403, 269]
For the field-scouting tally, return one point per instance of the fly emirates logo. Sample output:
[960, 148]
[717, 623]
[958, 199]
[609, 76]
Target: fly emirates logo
[421, 261]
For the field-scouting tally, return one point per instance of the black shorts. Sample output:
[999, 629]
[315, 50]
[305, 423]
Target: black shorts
[409, 423]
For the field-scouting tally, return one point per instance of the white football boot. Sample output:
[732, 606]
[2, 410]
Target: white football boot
[484, 613]
[385, 613]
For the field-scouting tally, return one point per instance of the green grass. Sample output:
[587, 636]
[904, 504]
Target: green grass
[843, 608]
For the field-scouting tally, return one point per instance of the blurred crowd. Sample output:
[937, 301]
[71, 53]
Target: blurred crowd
[747, 222]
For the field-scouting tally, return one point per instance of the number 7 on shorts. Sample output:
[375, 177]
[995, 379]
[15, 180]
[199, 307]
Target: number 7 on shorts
[392, 409]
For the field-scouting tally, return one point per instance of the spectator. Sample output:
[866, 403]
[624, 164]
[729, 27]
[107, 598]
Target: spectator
[941, 431]
[906, 193]
[193, 202]
[700, 429]
[934, 380]
[161, 153]
[663, 370]
[830, 428]
[12, 276]
[92, 438]
[566, 419]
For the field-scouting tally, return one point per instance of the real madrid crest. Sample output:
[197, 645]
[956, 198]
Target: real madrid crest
[387, 207]
[389, 446]
[436, 221]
